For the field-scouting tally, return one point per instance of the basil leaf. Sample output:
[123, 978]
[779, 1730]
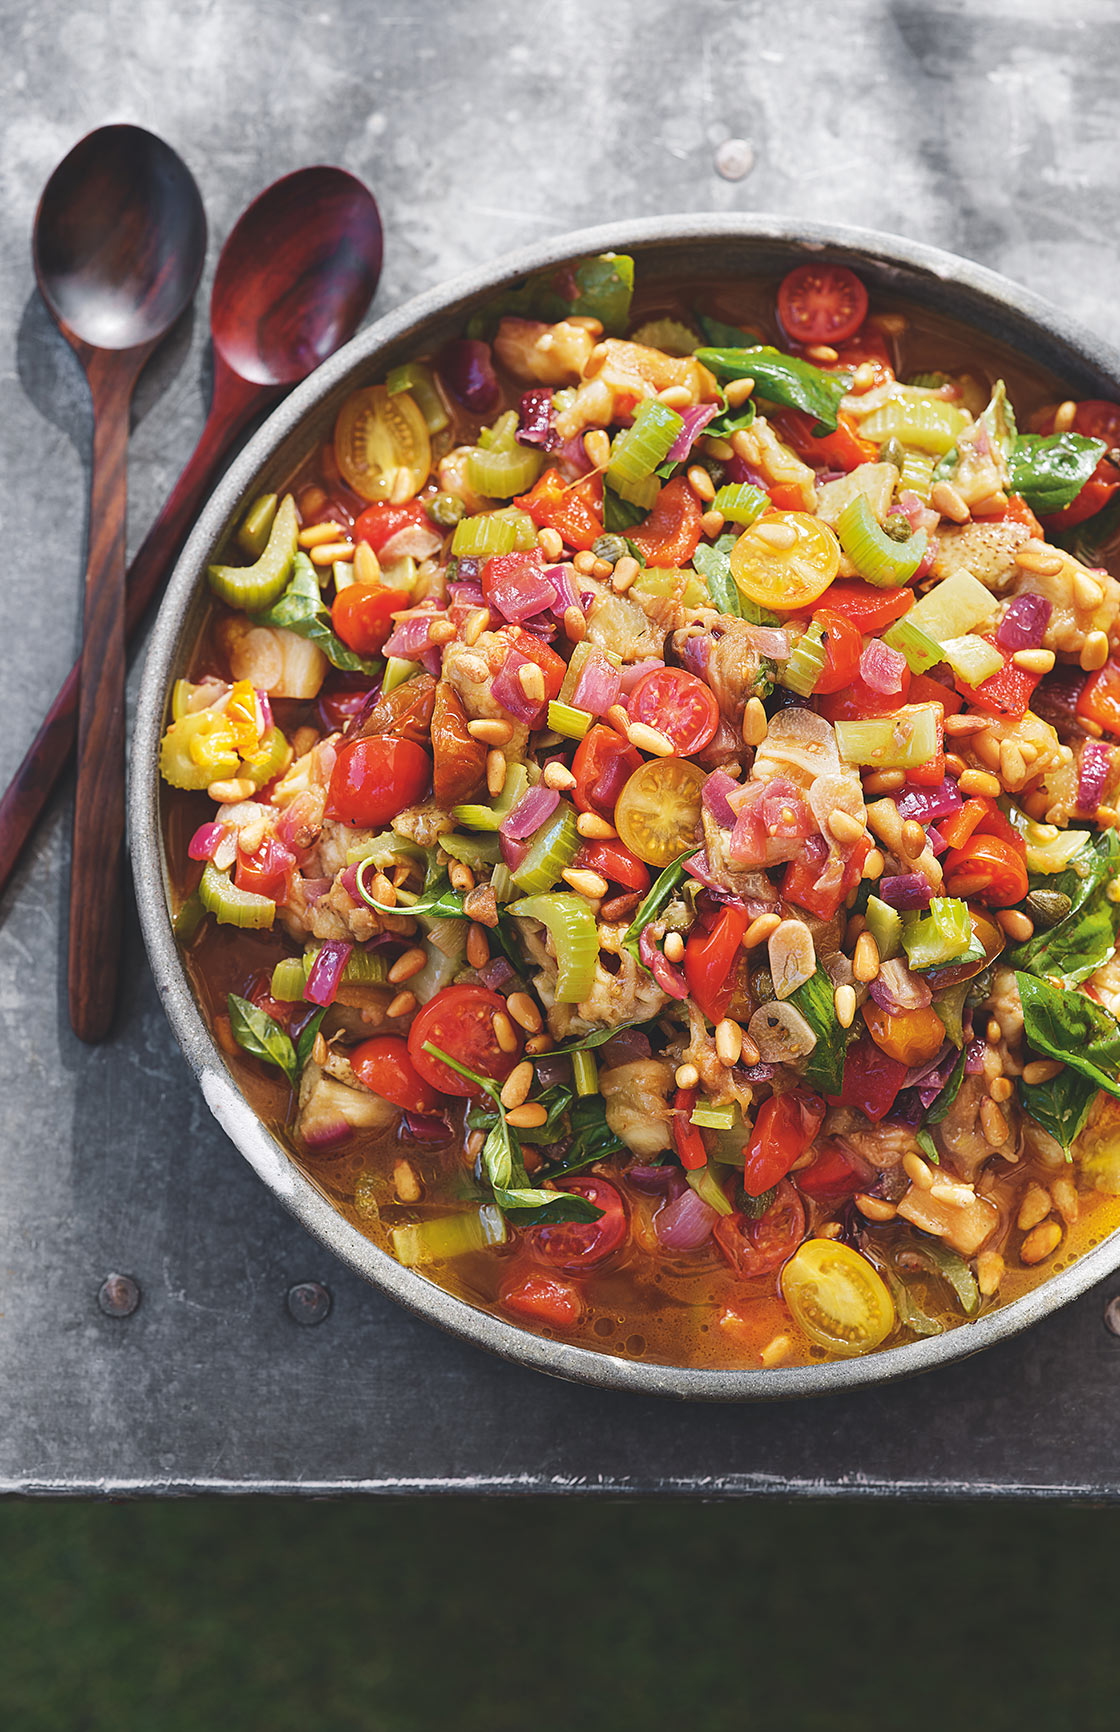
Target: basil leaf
[730, 420]
[940, 1107]
[653, 902]
[1070, 1027]
[555, 1101]
[307, 1038]
[824, 1067]
[525, 1207]
[301, 609]
[927, 1145]
[712, 560]
[1086, 938]
[592, 1137]
[584, 1042]
[618, 513]
[1061, 1105]
[719, 335]
[1050, 470]
[261, 1036]
[784, 379]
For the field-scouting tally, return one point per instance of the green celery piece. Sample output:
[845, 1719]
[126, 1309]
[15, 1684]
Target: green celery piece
[784, 379]
[1068, 1026]
[572, 928]
[887, 564]
[417, 378]
[942, 935]
[397, 673]
[1049, 471]
[271, 759]
[885, 926]
[917, 418]
[252, 587]
[252, 537]
[501, 474]
[472, 850]
[210, 734]
[478, 817]
[565, 719]
[973, 659]
[956, 605]
[288, 980]
[231, 906]
[551, 850]
[806, 664]
[902, 741]
[585, 1074]
[741, 502]
[639, 448]
[713, 1118]
[189, 918]
[708, 1188]
[911, 641]
[440, 1239]
[494, 532]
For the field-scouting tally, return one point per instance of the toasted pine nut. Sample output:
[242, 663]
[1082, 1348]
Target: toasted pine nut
[750, 1054]
[1012, 768]
[875, 1208]
[1034, 1207]
[675, 396]
[845, 828]
[538, 1043]
[367, 566]
[737, 391]
[1087, 592]
[916, 1171]
[1064, 1193]
[462, 878]
[967, 724]
[618, 719]
[781, 536]
[989, 1272]
[403, 1005]
[1042, 1070]
[478, 945]
[1016, 925]
[516, 1087]
[492, 730]
[229, 793]
[754, 722]
[624, 573]
[687, 1076]
[1001, 1089]
[1040, 1243]
[250, 836]
[318, 533]
[875, 865]
[883, 781]
[558, 777]
[591, 824]
[585, 882]
[527, 1117]
[1037, 557]
[913, 838]
[824, 353]
[844, 999]
[701, 483]
[673, 946]
[1034, 661]
[650, 740]
[1094, 651]
[712, 523]
[575, 626]
[884, 819]
[384, 890]
[598, 447]
[993, 1033]
[531, 680]
[330, 551]
[496, 771]
[776, 1351]
[408, 964]
[760, 929]
[865, 963]
[504, 1032]
[729, 1041]
[550, 544]
[405, 1183]
[993, 1124]
[948, 503]
[979, 782]
[524, 1012]
[476, 622]
[319, 1049]
[584, 563]
[473, 668]
[956, 1196]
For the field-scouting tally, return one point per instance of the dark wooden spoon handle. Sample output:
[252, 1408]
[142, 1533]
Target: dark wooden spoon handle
[23, 802]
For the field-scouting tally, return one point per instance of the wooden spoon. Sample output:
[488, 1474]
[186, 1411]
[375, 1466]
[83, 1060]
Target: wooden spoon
[294, 281]
[119, 244]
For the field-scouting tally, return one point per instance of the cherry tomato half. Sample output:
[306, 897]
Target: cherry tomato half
[602, 766]
[378, 524]
[910, 1036]
[711, 957]
[871, 1079]
[843, 645]
[460, 1021]
[987, 867]
[760, 1246]
[616, 863]
[820, 303]
[375, 778]
[843, 449]
[678, 705]
[657, 814]
[381, 445]
[361, 614]
[785, 578]
[384, 1065]
[670, 534]
[785, 1127]
[267, 872]
[543, 1300]
[837, 1297]
[573, 1245]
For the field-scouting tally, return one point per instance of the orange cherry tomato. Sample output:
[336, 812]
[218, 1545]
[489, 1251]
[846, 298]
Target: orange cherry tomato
[987, 867]
[603, 764]
[910, 1036]
[678, 705]
[575, 512]
[843, 645]
[821, 303]
[670, 534]
[362, 614]
[374, 779]
[460, 1021]
[384, 1066]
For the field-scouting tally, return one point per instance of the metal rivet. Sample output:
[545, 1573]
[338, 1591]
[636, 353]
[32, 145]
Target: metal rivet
[309, 1302]
[1112, 1315]
[734, 158]
[118, 1295]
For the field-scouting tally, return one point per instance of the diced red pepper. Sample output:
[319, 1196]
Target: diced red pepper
[924, 690]
[574, 511]
[801, 882]
[710, 958]
[1006, 693]
[843, 449]
[686, 1136]
[1100, 697]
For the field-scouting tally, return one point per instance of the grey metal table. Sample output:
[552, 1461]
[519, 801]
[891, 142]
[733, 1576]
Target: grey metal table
[989, 131]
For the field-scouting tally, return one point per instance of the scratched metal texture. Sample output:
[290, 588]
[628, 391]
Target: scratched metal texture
[986, 128]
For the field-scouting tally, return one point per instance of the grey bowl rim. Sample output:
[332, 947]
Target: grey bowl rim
[925, 266]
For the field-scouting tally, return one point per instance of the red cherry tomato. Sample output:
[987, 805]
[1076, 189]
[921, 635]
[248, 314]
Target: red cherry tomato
[603, 764]
[544, 1300]
[342, 698]
[868, 345]
[760, 1247]
[987, 867]
[362, 615]
[678, 705]
[378, 524]
[376, 778]
[687, 1140]
[258, 993]
[1095, 419]
[821, 304]
[670, 534]
[785, 1127]
[843, 646]
[460, 1021]
[831, 1175]
[267, 871]
[573, 1245]
[871, 1079]
[843, 449]
[615, 861]
[711, 956]
[384, 1066]
[868, 608]
[1007, 692]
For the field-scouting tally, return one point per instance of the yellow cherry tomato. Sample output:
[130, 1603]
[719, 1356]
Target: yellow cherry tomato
[657, 814]
[785, 561]
[381, 445]
[837, 1297]
[910, 1036]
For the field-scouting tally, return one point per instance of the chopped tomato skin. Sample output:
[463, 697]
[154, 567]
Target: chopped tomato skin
[842, 644]
[616, 863]
[542, 1299]
[1006, 693]
[871, 1079]
[267, 872]
[831, 1175]
[759, 1245]
[857, 699]
[362, 615]
[801, 882]
[552, 666]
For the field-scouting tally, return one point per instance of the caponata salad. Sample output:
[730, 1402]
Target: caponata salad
[646, 818]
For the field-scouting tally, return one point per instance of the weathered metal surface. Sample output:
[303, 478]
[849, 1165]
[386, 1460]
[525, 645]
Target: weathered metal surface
[480, 127]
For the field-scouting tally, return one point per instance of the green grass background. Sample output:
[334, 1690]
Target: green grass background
[525, 1616]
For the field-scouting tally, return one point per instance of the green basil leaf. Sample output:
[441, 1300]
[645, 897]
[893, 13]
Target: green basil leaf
[824, 1067]
[927, 1145]
[526, 1207]
[1069, 1026]
[940, 1107]
[261, 1036]
[307, 1038]
[591, 1136]
[1061, 1105]
[584, 1042]
[1050, 470]
[719, 335]
[783, 379]
[301, 609]
[653, 902]
[730, 420]
[618, 513]
[1086, 938]
[712, 560]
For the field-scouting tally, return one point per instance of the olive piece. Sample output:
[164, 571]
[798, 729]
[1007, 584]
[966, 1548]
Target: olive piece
[1048, 907]
[892, 451]
[445, 510]
[897, 526]
[612, 548]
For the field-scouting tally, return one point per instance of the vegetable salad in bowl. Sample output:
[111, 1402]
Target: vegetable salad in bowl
[643, 818]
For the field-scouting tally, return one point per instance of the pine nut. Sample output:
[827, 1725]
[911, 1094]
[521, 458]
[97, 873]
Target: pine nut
[913, 839]
[229, 793]
[955, 1196]
[524, 1012]
[701, 483]
[1034, 661]
[515, 1089]
[558, 777]
[618, 719]
[865, 963]
[947, 502]
[624, 573]
[979, 782]
[966, 724]
[531, 680]
[591, 824]
[478, 945]
[473, 668]
[884, 819]
[586, 883]
[737, 391]
[495, 773]
[1087, 592]
[875, 865]
[250, 836]
[650, 740]
[712, 523]
[754, 722]
[729, 1042]
[1001, 1089]
[781, 536]
[491, 730]
[1037, 557]
[1034, 1207]
[550, 543]
[916, 1171]
[1040, 1243]
[721, 449]
[673, 946]
[844, 999]
[405, 1182]
[1064, 1193]
[750, 1054]
[1015, 924]
[1042, 1070]
[319, 533]
[319, 1050]
[538, 1043]
[989, 1272]
[584, 563]
[845, 828]
[687, 1076]
[760, 929]
[875, 1208]
[575, 626]
[476, 622]
[602, 568]
[993, 1124]
[408, 964]
[1064, 416]
[330, 551]
[993, 1033]
[676, 397]
[384, 890]
[598, 447]
[403, 1005]
[824, 354]
[527, 1117]
[884, 781]
[367, 566]
[504, 1032]
[1094, 652]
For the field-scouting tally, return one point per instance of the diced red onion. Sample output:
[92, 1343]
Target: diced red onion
[513, 852]
[685, 1223]
[636, 671]
[321, 1133]
[1092, 776]
[668, 978]
[466, 594]
[411, 636]
[1024, 624]
[936, 840]
[713, 796]
[573, 453]
[266, 710]
[314, 889]
[698, 867]
[506, 690]
[326, 972]
[657, 1181]
[928, 804]
[466, 367]
[424, 1128]
[348, 878]
[624, 1047]
[974, 1055]
[520, 590]
[205, 840]
[598, 685]
[535, 426]
[499, 971]
[896, 989]
[769, 641]
[930, 1078]
[735, 469]
[882, 667]
[530, 812]
[697, 653]
[560, 577]
[695, 420]
[919, 513]
[909, 890]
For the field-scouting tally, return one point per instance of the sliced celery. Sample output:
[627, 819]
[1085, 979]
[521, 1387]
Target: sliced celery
[942, 935]
[269, 761]
[288, 978]
[898, 742]
[257, 586]
[803, 669]
[343, 572]
[447, 1236]
[585, 1073]
[713, 1118]
[668, 335]
[362, 968]
[917, 418]
[198, 749]
[741, 502]
[181, 693]
[972, 658]
[400, 574]
[885, 926]
[501, 882]
[502, 436]
[643, 494]
[501, 474]
[252, 537]
[707, 1187]
[385, 849]
[551, 851]
[916, 475]
[477, 817]
[397, 671]
[954, 606]
[571, 926]
[577, 661]
[567, 720]
[472, 850]
[492, 532]
[231, 906]
[638, 450]
[910, 640]
[418, 380]
[883, 562]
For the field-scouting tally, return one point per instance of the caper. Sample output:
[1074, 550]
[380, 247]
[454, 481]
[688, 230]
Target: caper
[897, 526]
[754, 1207]
[445, 510]
[1048, 907]
[612, 548]
[893, 451]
